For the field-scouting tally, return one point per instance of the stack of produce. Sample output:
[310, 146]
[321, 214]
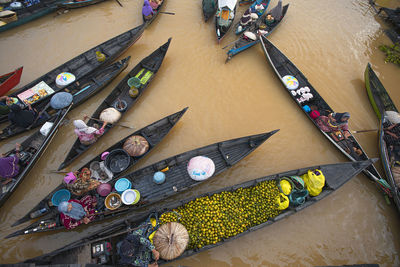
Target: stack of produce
[222, 215]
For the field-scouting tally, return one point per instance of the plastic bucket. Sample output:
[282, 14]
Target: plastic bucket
[113, 201]
[60, 196]
[122, 184]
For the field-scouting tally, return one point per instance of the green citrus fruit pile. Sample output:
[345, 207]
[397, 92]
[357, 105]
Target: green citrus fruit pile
[220, 216]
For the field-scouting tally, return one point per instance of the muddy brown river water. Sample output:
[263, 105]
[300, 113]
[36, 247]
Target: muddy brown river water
[330, 41]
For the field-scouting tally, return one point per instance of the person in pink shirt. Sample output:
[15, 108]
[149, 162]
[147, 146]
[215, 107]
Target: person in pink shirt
[87, 135]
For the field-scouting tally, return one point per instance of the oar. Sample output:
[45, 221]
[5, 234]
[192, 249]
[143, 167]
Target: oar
[365, 131]
[119, 3]
[117, 124]
[231, 43]
[168, 13]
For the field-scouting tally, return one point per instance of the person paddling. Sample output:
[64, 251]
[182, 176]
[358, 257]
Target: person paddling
[9, 167]
[87, 135]
[147, 11]
[21, 117]
[137, 250]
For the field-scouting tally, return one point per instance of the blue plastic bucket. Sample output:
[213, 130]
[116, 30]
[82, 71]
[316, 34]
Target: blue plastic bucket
[60, 196]
[122, 184]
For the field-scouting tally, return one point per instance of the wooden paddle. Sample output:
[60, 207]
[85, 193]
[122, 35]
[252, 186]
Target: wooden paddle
[117, 124]
[119, 3]
[364, 131]
[168, 13]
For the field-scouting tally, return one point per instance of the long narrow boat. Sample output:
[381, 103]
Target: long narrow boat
[81, 65]
[239, 28]
[153, 133]
[10, 80]
[31, 150]
[244, 42]
[223, 154]
[81, 90]
[145, 70]
[77, 4]
[27, 14]
[78, 252]
[292, 78]
[381, 102]
[209, 8]
[224, 18]
[147, 22]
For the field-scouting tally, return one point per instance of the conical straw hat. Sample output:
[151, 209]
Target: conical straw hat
[110, 115]
[171, 240]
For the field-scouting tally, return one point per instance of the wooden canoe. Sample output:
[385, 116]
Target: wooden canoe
[27, 14]
[81, 90]
[381, 102]
[226, 12]
[84, 63]
[336, 175]
[31, 150]
[209, 8]
[244, 43]
[224, 155]
[77, 4]
[147, 22]
[10, 80]
[154, 134]
[146, 71]
[284, 67]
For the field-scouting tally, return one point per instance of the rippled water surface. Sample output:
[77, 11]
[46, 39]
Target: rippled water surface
[330, 41]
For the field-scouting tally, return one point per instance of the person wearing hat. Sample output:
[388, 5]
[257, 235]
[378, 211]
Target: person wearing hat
[9, 167]
[75, 212]
[137, 250]
[87, 135]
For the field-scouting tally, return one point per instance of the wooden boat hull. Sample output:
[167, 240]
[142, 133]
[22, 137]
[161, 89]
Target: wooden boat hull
[31, 13]
[222, 31]
[36, 144]
[282, 67]
[71, 5]
[381, 102]
[379, 98]
[10, 80]
[85, 63]
[224, 155]
[241, 44]
[335, 175]
[154, 134]
[151, 65]
[209, 8]
[83, 89]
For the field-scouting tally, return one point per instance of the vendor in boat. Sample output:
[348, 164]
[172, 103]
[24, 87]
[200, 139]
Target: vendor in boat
[9, 167]
[147, 10]
[137, 250]
[335, 122]
[269, 20]
[75, 212]
[155, 4]
[22, 117]
[80, 183]
[5, 104]
[392, 134]
[87, 135]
